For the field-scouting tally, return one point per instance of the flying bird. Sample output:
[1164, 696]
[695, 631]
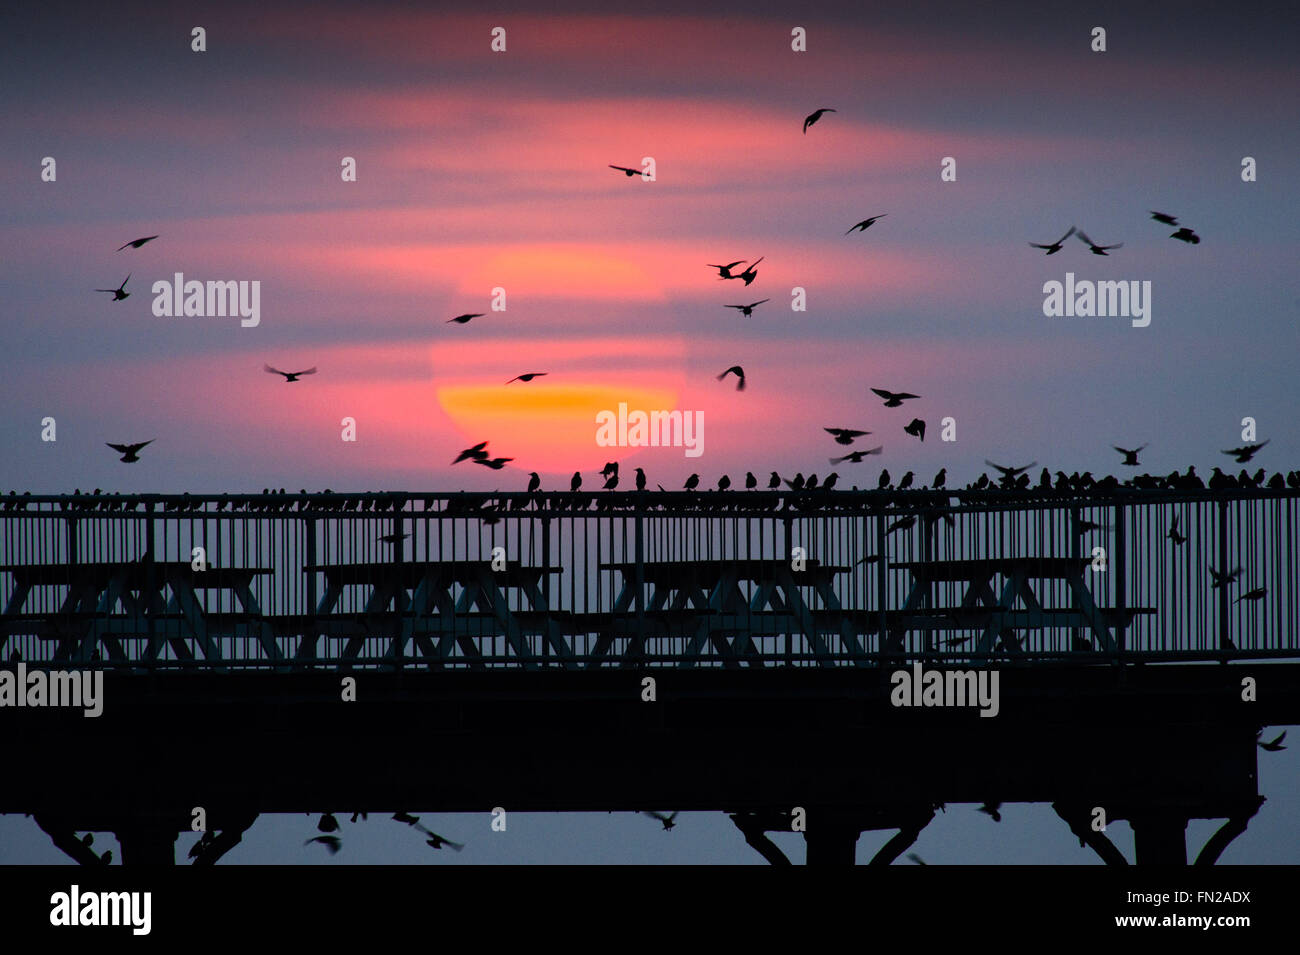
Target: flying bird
[1272, 745]
[1093, 247]
[129, 452]
[1164, 217]
[1186, 235]
[120, 292]
[332, 843]
[724, 271]
[666, 820]
[136, 243]
[1130, 457]
[1222, 580]
[1246, 451]
[1010, 473]
[289, 375]
[528, 377]
[462, 319]
[845, 435]
[991, 809]
[1057, 245]
[751, 271]
[740, 376]
[816, 115]
[1173, 534]
[916, 428]
[437, 842]
[894, 399]
[856, 456]
[496, 464]
[866, 224]
[477, 453]
[626, 171]
[748, 310]
[1252, 595]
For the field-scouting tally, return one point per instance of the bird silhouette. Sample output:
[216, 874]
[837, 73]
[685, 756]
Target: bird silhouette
[1093, 247]
[1164, 217]
[120, 292]
[855, 457]
[576, 482]
[1173, 534]
[437, 842]
[130, 452]
[1246, 451]
[476, 453]
[136, 243]
[640, 479]
[1223, 580]
[611, 482]
[534, 481]
[740, 376]
[1011, 473]
[866, 224]
[528, 377]
[496, 464]
[916, 428]
[332, 843]
[774, 481]
[816, 115]
[902, 524]
[747, 310]
[751, 271]
[991, 809]
[884, 479]
[394, 538]
[1057, 245]
[462, 319]
[724, 482]
[1252, 595]
[666, 820]
[1130, 457]
[724, 271]
[845, 435]
[751, 482]
[289, 375]
[1186, 235]
[1272, 745]
[894, 399]
[626, 171]
[692, 482]
[940, 479]
[906, 481]
[328, 823]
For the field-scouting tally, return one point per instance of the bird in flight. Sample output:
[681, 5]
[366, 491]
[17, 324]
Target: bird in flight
[1246, 451]
[816, 115]
[437, 842]
[740, 376]
[394, 538]
[289, 375]
[750, 272]
[1130, 457]
[120, 292]
[462, 319]
[856, 456]
[991, 809]
[1173, 534]
[1010, 473]
[1257, 593]
[626, 171]
[1093, 247]
[129, 452]
[136, 243]
[866, 224]
[496, 464]
[1222, 580]
[1186, 235]
[845, 435]
[748, 310]
[724, 271]
[1272, 745]
[332, 843]
[477, 453]
[666, 820]
[916, 428]
[528, 377]
[1164, 217]
[1057, 245]
[894, 399]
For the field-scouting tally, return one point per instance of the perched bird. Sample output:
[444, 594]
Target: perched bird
[1011, 473]
[916, 428]
[751, 482]
[751, 271]
[332, 843]
[1163, 217]
[1130, 457]
[666, 820]
[576, 482]
[496, 464]
[1186, 235]
[747, 310]
[626, 171]
[1093, 247]
[136, 243]
[1057, 245]
[1222, 580]
[740, 376]
[831, 480]
[1272, 745]
[692, 482]
[774, 481]
[724, 271]
[289, 375]
[906, 481]
[120, 292]
[1252, 595]
[724, 482]
[1173, 534]
[845, 435]
[811, 483]
[130, 452]
[991, 809]
[477, 453]
[328, 823]
[894, 399]
[866, 224]
[884, 479]
[816, 115]
[528, 377]
[796, 483]
[940, 479]
[611, 467]
[534, 481]
[857, 456]
[1246, 451]
[462, 319]
[640, 479]
[611, 482]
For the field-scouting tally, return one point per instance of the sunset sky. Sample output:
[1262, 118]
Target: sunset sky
[479, 170]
